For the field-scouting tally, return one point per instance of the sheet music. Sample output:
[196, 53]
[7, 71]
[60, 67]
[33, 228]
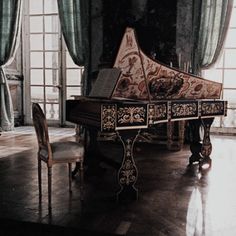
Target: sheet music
[105, 83]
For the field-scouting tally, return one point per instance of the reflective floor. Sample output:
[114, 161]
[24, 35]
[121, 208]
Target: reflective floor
[173, 199]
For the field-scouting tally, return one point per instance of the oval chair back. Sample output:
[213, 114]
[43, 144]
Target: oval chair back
[41, 129]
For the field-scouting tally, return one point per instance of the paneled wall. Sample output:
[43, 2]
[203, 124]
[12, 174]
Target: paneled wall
[15, 81]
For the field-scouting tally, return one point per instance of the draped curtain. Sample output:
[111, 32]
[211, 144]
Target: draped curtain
[210, 24]
[74, 20]
[10, 21]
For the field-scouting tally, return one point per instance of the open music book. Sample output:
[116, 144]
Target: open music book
[105, 83]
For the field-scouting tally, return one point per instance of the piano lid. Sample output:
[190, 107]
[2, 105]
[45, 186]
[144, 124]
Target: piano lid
[143, 78]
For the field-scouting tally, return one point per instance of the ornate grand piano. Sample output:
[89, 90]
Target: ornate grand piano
[142, 94]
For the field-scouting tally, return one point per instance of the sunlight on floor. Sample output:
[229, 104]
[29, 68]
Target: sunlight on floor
[13, 139]
[212, 204]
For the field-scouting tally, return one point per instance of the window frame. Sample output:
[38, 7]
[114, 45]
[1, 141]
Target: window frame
[62, 68]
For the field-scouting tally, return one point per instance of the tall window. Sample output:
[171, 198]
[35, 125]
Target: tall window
[224, 71]
[50, 74]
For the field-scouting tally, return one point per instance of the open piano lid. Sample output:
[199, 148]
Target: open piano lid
[143, 78]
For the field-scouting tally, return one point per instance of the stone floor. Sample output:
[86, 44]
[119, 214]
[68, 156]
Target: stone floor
[173, 199]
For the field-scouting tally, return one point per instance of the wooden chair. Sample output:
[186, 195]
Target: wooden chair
[56, 152]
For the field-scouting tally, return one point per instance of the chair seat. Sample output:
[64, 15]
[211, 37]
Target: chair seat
[67, 150]
[64, 151]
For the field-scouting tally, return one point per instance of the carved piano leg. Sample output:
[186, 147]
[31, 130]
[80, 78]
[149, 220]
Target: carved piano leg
[195, 145]
[200, 151]
[206, 148]
[128, 173]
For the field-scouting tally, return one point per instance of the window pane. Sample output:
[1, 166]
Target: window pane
[51, 42]
[52, 111]
[233, 17]
[50, 6]
[219, 62]
[229, 79]
[230, 96]
[69, 61]
[36, 24]
[52, 94]
[51, 77]
[51, 24]
[36, 7]
[73, 76]
[36, 42]
[37, 94]
[230, 58]
[230, 119]
[227, 65]
[72, 91]
[216, 122]
[51, 59]
[36, 59]
[213, 74]
[36, 77]
[230, 39]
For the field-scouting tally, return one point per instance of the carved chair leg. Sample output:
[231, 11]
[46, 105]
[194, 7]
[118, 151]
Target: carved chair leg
[49, 188]
[40, 179]
[70, 176]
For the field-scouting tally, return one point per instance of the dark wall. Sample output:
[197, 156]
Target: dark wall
[154, 22]
[184, 30]
[163, 27]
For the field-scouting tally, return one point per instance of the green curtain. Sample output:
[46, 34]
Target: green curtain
[73, 16]
[10, 17]
[74, 19]
[210, 24]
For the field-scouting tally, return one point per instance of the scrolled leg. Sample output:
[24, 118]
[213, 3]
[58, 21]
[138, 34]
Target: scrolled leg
[195, 141]
[128, 172]
[206, 148]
